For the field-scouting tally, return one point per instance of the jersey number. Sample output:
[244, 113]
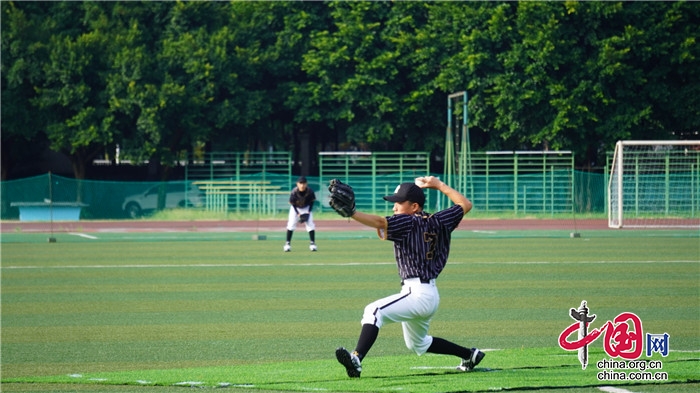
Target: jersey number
[431, 239]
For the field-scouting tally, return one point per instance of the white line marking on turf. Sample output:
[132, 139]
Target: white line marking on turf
[82, 235]
[197, 265]
[610, 389]
[189, 383]
[433, 367]
[449, 367]
[567, 262]
[229, 265]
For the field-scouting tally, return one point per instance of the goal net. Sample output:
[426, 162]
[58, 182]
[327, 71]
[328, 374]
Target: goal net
[655, 184]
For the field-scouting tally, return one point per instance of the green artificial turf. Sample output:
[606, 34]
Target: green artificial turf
[222, 310]
[502, 369]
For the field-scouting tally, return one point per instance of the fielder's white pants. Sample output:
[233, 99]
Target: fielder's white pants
[414, 307]
[293, 219]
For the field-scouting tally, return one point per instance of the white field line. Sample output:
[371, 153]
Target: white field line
[433, 367]
[610, 389]
[83, 235]
[567, 263]
[449, 367]
[205, 265]
[198, 265]
[189, 383]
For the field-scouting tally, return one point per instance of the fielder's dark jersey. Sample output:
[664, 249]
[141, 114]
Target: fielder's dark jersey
[422, 241]
[302, 199]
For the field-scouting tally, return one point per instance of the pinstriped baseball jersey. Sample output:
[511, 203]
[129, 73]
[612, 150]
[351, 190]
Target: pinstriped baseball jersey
[422, 241]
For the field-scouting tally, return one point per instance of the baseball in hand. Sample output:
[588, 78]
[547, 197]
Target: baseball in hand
[420, 181]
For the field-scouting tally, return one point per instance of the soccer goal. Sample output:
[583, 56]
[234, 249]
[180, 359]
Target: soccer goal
[655, 184]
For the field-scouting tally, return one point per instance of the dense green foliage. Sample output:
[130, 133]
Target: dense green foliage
[160, 78]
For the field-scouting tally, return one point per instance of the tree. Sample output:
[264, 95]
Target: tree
[580, 76]
[71, 92]
[158, 78]
[453, 47]
[161, 82]
[23, 48]
[350, 73]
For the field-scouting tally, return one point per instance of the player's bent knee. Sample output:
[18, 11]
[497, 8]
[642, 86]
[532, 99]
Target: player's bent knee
[418, 346]
[372, 316]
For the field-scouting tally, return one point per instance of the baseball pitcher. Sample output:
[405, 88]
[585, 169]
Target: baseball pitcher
[421, 247]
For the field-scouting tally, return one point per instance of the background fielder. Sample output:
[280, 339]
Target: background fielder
[421, 247]
[302, 200]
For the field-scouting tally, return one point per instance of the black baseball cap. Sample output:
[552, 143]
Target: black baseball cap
[407, 192]
[301, 179]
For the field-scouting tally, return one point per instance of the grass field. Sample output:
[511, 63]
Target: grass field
[156, 312]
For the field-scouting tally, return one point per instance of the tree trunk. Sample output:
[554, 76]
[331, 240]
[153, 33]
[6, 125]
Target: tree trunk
[79, 169]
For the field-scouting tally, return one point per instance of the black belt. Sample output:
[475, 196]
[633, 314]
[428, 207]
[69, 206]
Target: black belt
[422, 280]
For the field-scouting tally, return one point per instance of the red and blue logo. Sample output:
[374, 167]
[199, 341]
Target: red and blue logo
[623, 338]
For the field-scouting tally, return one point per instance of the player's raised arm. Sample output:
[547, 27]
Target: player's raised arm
[454, 195]
[342, 200]
[370, 220]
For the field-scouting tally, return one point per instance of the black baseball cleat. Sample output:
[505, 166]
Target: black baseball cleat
[350, 361]
[469, 364]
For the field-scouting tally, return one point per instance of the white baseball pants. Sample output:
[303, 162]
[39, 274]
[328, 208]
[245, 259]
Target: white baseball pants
[414, 307]
[293, 219]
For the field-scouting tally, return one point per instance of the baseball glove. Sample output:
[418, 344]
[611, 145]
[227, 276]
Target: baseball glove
[304, 217]
[342, 198]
